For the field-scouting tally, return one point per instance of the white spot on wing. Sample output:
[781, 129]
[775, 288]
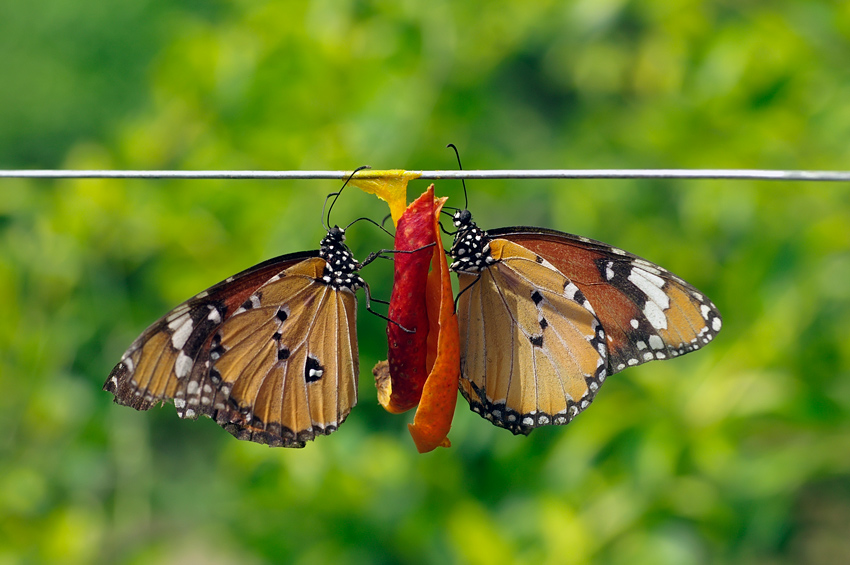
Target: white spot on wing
[655, 316]
[182, 365]
[656, 342]
[214, 315]
[651, 286]
[182, 328]
[716, 324]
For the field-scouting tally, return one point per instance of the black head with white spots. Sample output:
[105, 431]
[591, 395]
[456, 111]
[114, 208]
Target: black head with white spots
[470, 251]
[341, 266]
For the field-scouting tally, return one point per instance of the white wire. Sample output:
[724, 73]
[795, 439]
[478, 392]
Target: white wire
[752, 174]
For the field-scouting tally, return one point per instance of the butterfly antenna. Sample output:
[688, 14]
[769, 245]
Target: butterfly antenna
[465, 197]
[371, 221]
[336, 195]
[445, 231]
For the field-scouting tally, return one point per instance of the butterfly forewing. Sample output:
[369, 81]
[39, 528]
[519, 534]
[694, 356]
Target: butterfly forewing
[163, 360]
[532, 351]
[646, 311]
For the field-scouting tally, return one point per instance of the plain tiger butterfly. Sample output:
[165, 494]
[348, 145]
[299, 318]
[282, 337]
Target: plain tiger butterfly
[545, 317]
[270, 353]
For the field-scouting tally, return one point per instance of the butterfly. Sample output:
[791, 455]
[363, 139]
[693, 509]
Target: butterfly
[270, 353]
[546, 317]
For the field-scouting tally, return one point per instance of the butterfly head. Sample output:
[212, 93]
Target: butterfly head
[471, 249]
[341, 267]
[463, 220]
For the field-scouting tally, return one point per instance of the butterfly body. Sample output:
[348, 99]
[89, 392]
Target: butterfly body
[270, 353]
[545, 317]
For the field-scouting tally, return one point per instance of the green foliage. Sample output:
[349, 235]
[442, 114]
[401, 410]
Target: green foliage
[737, 453]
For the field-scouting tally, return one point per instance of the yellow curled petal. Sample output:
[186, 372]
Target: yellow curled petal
[390, 186]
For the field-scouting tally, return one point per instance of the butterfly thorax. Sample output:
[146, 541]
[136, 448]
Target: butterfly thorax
[341, 266]
[470, 251]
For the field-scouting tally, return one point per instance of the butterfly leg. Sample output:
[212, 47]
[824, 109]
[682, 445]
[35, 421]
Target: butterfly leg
[382, 254]
[477, 278]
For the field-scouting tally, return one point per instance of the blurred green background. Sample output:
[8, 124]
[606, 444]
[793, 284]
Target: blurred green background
[739, 453]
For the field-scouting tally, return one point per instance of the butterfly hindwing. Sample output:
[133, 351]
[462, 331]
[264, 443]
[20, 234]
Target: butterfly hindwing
[289, 361]
[532, 351]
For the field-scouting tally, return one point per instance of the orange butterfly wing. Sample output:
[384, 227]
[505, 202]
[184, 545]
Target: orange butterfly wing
[270, 354]
[289, 363]
[530, 355]
[598, 310]
[156, 365]
[647, 312]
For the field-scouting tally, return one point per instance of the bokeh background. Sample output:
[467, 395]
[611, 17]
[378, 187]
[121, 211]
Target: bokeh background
[739, 453]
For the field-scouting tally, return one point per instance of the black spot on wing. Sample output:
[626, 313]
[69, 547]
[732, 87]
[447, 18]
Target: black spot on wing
[313, 370]
[536, 297]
